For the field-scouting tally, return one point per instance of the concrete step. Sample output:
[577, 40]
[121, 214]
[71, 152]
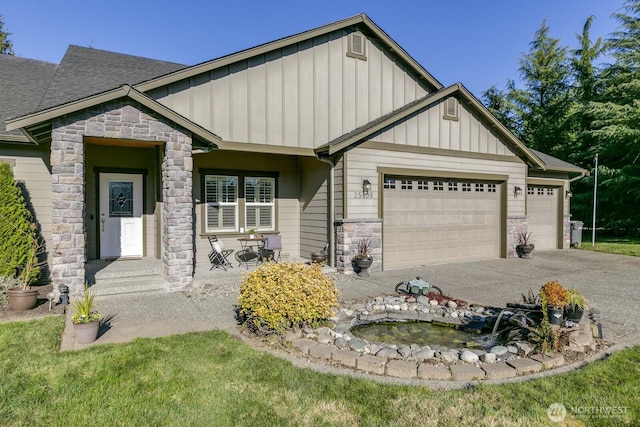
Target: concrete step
[147, 284]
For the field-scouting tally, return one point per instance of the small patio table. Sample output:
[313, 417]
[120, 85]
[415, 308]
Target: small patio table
[247, 253]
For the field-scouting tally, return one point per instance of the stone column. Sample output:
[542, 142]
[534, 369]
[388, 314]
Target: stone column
[177, 212]
[348, 232]
[68, 207]
[516, 224]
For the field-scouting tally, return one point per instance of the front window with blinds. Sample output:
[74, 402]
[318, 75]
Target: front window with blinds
[259, 196]
[221, 199]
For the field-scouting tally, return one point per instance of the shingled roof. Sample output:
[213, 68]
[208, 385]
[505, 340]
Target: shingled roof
[87, 71]
[554, 164]
[23, 83]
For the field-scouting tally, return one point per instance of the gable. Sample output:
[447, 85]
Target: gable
[434, 127]
[299, 95]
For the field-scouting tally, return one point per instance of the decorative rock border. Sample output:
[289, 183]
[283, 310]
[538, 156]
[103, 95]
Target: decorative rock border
[336, 345]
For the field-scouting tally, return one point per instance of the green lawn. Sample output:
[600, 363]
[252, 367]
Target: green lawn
[612, 245]
[212, 379]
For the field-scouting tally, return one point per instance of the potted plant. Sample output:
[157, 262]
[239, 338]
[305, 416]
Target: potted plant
[252, 233]
[524, 246]
[554, 296]
[576, 304]
[86, 320]
[363, 259]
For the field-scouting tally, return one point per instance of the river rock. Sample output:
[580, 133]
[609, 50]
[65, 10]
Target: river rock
[512, 349]
[340, 342]
[454, 314]
[404, 351]
[449, 356]
[325, 338]
[489, 358]
[388, 353]
[357, 344]
[524, 348]
[498, 350]
[433, 302]
[422, 300]
[469, 357]
[452, 304]
[424, 353]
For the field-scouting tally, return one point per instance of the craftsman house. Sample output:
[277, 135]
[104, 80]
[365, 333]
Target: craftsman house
[322, 137]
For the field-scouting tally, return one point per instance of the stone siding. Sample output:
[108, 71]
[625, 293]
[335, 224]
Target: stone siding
[348, 233]
[566, 231]
[515, 225]
[118, 120]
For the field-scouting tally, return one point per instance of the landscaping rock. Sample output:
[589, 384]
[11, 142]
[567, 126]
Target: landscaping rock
[357, 344]
[388, 353]
[452, 304]
[303, 345]
[466, 372]
[371, 364]
[424, 354]
[432, 372]
[322, 351]
[489, 358]
[449, 356]
[512, 349]
[524, 348]
[340, 342]
[325, 338]
[404, 351]
[525, 366]
[345, 357]
[498, 371]
[401, 369]
[498, 350]
[469, 357]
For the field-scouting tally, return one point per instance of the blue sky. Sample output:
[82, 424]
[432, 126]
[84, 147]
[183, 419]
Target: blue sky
[478, 43]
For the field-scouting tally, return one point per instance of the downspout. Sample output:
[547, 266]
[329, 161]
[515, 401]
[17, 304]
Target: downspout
[332, 213]
[575, 178]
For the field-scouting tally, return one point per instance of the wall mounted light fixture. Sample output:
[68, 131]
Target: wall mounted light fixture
[366, 188]
[568, 194]
[517, 191]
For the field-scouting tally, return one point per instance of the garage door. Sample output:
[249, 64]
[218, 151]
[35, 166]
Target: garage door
[542, 216]
[435, 221]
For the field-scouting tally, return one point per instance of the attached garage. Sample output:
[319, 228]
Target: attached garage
[543, 216]
[437, 220]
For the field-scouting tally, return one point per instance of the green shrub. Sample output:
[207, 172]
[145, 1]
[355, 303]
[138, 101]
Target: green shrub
[19, 247]
[278, 297]
[7, 283]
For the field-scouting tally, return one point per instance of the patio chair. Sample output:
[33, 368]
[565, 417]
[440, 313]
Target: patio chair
[272, 247]
[218, 255]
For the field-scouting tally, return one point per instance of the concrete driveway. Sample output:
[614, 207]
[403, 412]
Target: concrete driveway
[611, 283]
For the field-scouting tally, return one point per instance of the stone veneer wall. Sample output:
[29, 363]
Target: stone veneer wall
[515, 224]
[118, 119]
[348, 232]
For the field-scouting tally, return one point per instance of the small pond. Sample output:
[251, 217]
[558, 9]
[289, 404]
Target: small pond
[421, 333]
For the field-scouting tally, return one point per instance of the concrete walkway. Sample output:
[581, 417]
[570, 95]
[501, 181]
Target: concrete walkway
[611, 283]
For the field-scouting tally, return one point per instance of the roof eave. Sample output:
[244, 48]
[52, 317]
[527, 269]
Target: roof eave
[31, 120]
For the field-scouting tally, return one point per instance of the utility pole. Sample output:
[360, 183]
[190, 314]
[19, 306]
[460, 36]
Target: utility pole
[595, 195]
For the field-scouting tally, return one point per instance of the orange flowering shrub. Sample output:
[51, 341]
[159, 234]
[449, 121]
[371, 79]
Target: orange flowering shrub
[554, 294]
[282, 296]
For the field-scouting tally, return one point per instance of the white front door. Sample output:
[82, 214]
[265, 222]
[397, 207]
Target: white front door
[120, 215]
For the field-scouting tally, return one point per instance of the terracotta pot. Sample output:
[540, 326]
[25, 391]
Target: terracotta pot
[22, 299]
[86, 333]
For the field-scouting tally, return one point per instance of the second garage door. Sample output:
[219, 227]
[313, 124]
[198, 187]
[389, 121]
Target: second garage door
[436, 221]
[542, 216]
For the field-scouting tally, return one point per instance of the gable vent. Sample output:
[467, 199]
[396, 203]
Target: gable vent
[357, 46]
[451, 109]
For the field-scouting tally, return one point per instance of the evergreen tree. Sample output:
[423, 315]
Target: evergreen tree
[6, 45]
[544, 103]
[615, 125]
[18, 239]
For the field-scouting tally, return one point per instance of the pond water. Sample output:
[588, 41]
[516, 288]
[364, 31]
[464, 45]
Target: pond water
[421, 333]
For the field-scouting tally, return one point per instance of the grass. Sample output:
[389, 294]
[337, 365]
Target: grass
[212, 379]
[613, 245]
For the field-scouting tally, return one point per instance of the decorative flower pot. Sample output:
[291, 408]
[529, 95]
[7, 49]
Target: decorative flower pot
[319, 257]
[22, 299]
[86, 333]
[554, 315]
[362, 265]
[573, 314]
[524, 251]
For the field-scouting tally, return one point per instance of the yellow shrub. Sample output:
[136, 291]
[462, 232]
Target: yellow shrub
[277, 297]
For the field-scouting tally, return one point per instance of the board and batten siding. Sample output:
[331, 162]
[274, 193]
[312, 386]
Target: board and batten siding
[428, 128]
[364, 163]
[314, 206]
[287, 203]
[302, 95]
[31, 167]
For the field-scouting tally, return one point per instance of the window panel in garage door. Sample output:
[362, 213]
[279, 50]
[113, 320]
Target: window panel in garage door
[436, 221]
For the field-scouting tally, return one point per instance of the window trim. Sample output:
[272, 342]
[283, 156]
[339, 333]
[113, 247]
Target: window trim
[241, 209]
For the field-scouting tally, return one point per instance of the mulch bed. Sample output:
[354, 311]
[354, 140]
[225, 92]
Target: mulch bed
[41, 309]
